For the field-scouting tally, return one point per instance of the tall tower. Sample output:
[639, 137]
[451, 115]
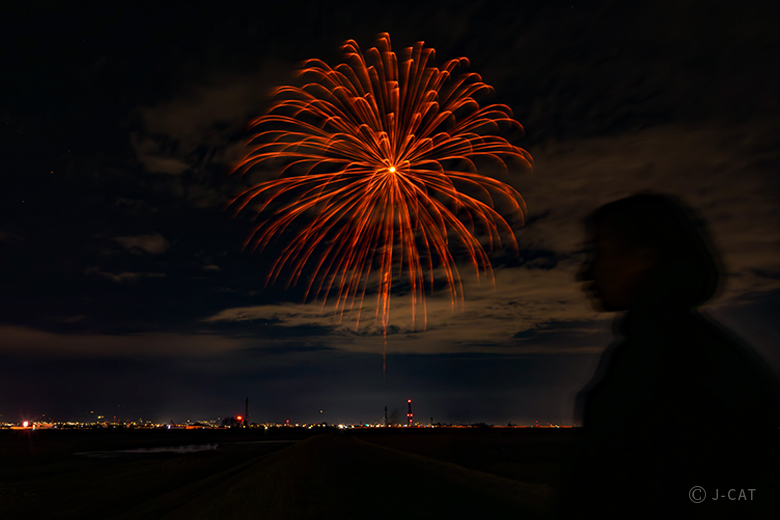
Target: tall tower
[409, 414]
[246, 412]
[385, 416]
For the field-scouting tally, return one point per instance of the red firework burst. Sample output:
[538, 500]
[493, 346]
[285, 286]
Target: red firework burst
[377, 170]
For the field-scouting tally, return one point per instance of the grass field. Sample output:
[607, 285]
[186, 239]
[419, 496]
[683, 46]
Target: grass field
[372, 473]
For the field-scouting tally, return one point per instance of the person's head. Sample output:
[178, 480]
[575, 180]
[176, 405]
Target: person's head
[649, 249]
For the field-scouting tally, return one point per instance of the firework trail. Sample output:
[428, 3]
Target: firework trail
[377, 176]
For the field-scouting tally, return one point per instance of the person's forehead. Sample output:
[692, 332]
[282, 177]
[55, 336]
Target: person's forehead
[608, 235]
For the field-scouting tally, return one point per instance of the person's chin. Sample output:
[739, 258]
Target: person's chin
[596, 300]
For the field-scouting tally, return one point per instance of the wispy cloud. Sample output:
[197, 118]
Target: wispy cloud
[204, 124]
[31, 341]
[123, 277]
[155, 244]
[4, 236]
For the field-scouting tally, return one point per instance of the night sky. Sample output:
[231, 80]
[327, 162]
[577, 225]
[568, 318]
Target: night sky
[124, 288]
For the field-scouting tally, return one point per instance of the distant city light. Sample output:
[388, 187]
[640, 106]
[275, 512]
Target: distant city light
[217, 424]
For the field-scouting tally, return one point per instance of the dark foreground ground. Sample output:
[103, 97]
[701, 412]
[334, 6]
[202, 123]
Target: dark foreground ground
[430, 473]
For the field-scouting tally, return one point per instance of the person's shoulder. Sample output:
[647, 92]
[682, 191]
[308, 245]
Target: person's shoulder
[716, 342]
[731, 365]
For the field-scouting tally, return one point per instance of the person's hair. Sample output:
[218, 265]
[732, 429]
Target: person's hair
[688, 271]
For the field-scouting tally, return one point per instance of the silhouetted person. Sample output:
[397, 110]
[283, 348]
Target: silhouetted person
[677, 402]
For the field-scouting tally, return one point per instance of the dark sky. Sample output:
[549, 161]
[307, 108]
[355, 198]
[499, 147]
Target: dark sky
[124, 289]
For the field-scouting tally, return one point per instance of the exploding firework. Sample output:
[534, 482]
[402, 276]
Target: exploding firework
[377, 177]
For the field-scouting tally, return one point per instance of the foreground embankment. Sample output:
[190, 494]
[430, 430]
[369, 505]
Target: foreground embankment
[284, 473]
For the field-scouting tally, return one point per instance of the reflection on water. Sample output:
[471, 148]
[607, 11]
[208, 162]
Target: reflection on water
[179, 450]
[191, 448]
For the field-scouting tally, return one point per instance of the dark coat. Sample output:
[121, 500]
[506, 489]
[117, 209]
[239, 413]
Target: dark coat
[676, 403]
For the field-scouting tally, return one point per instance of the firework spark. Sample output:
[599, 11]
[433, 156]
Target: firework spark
[377, 176]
